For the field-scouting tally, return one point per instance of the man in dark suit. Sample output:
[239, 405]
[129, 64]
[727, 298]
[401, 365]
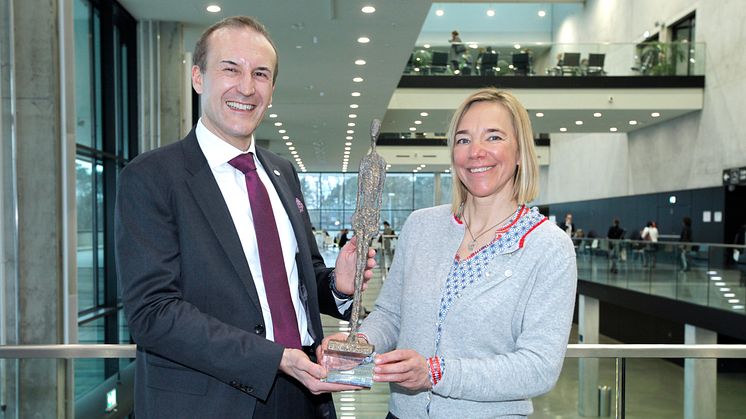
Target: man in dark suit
[199, 265]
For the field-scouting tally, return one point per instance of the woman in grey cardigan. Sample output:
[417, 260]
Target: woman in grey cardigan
[474, 318]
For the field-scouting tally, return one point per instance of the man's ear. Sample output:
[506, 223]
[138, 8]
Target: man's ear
[197, 79]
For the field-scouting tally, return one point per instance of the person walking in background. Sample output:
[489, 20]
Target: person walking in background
[496, 279]
[685, 237]
[222, 281]
[614, 234]
[457, 48]
[343, 239]
[387, 235]
[650, 235]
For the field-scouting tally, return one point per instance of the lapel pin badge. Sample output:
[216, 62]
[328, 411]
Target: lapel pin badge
[276, 172]
[300, 205]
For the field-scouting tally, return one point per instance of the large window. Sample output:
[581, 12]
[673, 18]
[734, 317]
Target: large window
[331, 197]
[106, 139]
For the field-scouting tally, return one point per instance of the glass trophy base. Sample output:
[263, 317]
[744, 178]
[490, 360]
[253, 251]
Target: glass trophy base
[348, 368]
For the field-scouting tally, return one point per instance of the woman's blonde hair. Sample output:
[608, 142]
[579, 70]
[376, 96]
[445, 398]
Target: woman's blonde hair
[526, 182]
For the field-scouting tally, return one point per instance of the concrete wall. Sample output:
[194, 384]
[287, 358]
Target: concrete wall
[684, 153]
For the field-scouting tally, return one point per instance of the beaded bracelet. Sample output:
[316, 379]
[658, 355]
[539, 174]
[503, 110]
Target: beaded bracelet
[437, 366]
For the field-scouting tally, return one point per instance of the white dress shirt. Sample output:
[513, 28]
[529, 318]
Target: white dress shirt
[232, 184]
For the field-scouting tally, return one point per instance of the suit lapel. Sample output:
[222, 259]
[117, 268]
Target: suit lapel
[207, 194]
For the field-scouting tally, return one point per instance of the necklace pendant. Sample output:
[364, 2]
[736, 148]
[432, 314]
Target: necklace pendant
[471, 245]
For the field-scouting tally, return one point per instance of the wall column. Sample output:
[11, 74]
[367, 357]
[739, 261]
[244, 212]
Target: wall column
[588, 318]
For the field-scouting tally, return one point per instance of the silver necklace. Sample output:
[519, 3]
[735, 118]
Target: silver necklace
[473, 243]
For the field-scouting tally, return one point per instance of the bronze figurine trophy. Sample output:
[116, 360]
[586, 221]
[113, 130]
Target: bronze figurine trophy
[348, 358]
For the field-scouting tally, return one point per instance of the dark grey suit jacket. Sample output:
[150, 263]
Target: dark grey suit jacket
[187, 290]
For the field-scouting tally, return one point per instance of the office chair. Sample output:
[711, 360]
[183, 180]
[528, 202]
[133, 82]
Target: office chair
[488, 63]
[596, 64]
[570, 63]
[439, 63]
[521, 64]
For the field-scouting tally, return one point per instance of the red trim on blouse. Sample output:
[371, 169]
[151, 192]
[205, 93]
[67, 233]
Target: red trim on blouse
[520, 243]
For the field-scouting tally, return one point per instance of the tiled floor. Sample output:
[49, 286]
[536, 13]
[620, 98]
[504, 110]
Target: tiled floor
[654, 387]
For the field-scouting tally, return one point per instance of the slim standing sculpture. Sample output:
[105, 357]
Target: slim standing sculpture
[365, 222]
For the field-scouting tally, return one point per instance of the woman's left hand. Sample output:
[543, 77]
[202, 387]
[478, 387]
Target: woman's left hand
[404, 367]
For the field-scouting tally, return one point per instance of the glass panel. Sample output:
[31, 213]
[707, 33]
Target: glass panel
[85, 218]
[332, 189]
[350, 201]
[398, 191]
[125, 113]
[118, 93]
[446, 188]
[89, 372]
[100, 225]
[83, 85]
[97, 95]
[309, 184]
[424, 190]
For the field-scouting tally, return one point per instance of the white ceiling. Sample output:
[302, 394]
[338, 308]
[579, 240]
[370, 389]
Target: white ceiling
[317, 46]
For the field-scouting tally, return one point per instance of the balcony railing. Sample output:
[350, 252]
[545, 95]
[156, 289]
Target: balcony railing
[560, 60]
[619, 352]
[706, 274]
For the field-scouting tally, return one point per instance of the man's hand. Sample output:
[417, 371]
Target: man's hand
[404, 367]
[345, 267]
[296, 364]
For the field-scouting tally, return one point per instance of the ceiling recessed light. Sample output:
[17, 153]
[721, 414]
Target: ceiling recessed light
[655, 114]
[360, 62]
[348, 143]
[426, 46]
[633, 122]
[563, 129]
[278, 124]
[352, 115]
[539, 114]
[412, 129]
[354, 106]
[357, 79]
[213, 8]
[285, 137]
[349, 137]
[293, 152]
[368, 9]
[423, 166]
[355, 94]
[291, 148]
[613, 129]
[448, 170]
[273, 115]
[350, 124]
[517, 46]
[289, 143]
[348, 148]
[439, 12]
[424, 114]
[363, 40]
[490, 12]
[578, 122]
[350, 131]
[597, 114]
[542, 13]
[418, 122]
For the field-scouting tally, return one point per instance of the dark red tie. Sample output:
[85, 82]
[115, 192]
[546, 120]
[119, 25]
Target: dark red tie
[284, 321]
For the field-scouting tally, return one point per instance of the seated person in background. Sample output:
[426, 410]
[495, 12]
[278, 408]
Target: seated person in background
[471, 266]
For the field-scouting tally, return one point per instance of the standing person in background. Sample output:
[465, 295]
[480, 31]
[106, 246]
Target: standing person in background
[388, 232]
[567, 226]
[614, 234]
[343, 239]
[497, 280]
[222, 282]
[650, 234]
[685, 237]
[457, 48]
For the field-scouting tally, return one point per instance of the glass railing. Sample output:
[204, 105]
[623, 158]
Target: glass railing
[627, 380]
[711, 275]
[560, 60]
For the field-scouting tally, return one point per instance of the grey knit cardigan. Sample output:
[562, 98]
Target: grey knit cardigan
[503, 340]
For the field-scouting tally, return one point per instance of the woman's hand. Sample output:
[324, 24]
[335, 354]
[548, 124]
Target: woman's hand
[405, 367]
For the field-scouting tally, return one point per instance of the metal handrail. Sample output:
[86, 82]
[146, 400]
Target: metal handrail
[574, 350]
